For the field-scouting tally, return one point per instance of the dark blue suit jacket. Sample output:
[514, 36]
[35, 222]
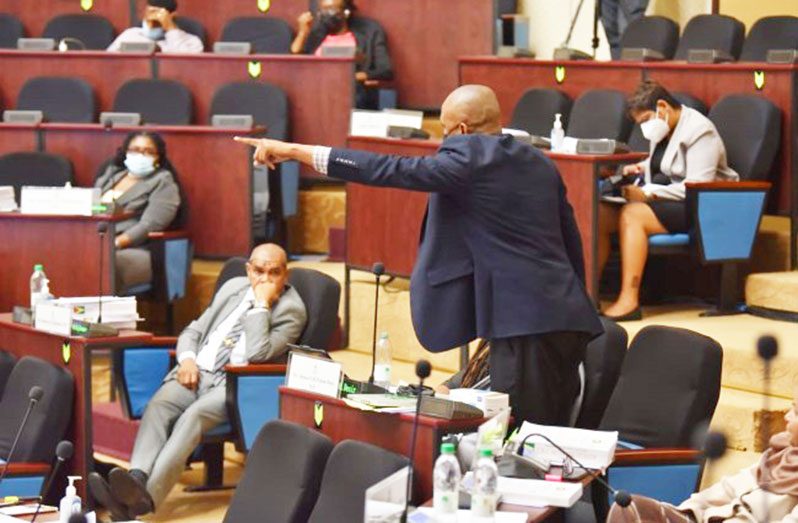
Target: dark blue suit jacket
[500, 254]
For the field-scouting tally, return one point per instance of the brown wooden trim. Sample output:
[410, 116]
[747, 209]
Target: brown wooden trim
[715, 7]
[662, 455]
[167, 235]
[521, 62]
[266, 369]
[739, 186]
[187, 129]
[28, 469]
[711, 68]
[598, 158]
[68, 217]
[163, 341]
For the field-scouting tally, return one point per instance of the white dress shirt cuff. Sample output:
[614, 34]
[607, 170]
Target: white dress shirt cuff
[321, 158]
[187, 355]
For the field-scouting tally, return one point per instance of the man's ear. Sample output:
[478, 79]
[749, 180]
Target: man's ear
[463, 128]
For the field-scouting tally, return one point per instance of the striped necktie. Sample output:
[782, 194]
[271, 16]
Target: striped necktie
[229, 342]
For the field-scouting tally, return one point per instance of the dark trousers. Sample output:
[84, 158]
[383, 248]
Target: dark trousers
[540, 372]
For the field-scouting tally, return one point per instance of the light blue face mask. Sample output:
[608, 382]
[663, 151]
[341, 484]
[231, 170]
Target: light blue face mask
[153, 33]
[139, 165]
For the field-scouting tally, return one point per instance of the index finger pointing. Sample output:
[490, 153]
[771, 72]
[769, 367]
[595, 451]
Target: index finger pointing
[254, 142]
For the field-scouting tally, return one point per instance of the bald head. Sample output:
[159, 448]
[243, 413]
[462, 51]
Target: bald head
[269, 252]
[472, 109]
[268, 262]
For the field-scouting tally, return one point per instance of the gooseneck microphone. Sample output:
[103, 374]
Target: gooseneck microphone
[63, 452]
[378, 269]
[423, 369]
[102, 228]
[34, 395]
[621, 497]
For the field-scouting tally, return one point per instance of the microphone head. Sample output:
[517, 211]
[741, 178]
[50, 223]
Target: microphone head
[64, 450]
[102, 227]
[622, 498]
[77, 518]
[715, 445]
[35, 393]
[378, 269]
[767, 347]
[423, 369]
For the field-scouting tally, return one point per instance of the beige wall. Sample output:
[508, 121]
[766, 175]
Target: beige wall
[749, 11]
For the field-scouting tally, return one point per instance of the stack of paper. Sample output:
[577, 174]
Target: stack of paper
[119, 312]
[59, 200]
[7, 201]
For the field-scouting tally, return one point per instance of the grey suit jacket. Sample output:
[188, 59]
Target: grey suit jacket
[155, 200]
[695, 153]
[267, 333]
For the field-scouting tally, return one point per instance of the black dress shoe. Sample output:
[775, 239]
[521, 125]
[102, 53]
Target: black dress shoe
[101, 492]
[635, 315]
[132, 492]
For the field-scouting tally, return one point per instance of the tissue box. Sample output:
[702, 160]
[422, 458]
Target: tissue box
[489, 402]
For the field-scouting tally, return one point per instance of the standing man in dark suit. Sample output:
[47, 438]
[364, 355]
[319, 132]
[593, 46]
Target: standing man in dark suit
[500, 256]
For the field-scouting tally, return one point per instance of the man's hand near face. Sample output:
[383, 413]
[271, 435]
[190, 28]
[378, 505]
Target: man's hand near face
[266, 291]
[161, 17]
[188, 374]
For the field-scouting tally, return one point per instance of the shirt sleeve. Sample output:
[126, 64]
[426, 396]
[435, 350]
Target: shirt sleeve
[321, 158]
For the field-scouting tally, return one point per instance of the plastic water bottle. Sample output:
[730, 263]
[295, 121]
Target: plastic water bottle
[446, 485]
[382, 365]
[39, 287]
[483, 500]
[557, 133]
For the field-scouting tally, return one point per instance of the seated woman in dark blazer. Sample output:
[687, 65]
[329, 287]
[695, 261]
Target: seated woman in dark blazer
[684, 147]
[336, 25]
[140, 180]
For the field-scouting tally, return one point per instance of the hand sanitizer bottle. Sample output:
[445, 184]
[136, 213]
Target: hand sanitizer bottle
[557, 133]
[70, 503]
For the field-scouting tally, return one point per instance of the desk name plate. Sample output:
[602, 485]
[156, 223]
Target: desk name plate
[316, 375]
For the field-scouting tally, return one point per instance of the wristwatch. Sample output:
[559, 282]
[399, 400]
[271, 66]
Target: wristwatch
[261, 305]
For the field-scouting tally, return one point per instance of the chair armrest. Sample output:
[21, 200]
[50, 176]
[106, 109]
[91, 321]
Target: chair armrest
[167, 235]
[256, 369]
[660, 456]
[28, 469]
[730, 186]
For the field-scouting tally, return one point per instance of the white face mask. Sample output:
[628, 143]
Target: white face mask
[139, 165]
[655, 129]
[153, 33]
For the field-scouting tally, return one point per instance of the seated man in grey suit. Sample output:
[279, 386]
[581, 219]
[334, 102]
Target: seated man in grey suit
[250, 320]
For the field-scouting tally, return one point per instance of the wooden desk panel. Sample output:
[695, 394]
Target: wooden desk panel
[320, 90]
[215, 172]
[425, 38]
[18, 138]
[710, 83]
[69, 248]
[389, 431]
[35, 14]
[22, 340]
[105, 72]
[511, 77]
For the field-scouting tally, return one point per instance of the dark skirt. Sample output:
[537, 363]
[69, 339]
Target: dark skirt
[671, 213]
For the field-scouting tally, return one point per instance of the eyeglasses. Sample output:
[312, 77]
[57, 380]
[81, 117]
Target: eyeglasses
[149, 151]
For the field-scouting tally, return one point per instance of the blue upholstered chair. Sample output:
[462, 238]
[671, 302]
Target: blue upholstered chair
[726, 215]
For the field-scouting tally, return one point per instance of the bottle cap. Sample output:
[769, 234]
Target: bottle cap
[447, 448]
[486, 453]
[38, 267]
[383, 335]
[71, 490]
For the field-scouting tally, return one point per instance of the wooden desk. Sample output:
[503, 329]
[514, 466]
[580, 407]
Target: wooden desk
[22, 340]
[320, 90]
[18, 138]
[105, 72]
[389, 431]
[511, 77]
[384, 224]
[215, 172]
[35, 17]
[69, 248]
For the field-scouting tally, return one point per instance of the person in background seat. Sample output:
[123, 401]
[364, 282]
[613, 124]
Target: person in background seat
[159, 26]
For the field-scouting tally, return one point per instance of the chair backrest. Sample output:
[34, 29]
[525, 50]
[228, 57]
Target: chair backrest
[192, 26]
[48, 420]
[232, 268]
[600, 113]
[691, 101]
[34, 168]
[751, 131]
[507, 7]
[282, 476]
[62, 99]
[164, 102]
[652, 32]
[11, 30]
[771, 32]
[321, 295]
[94, 31]
[342, 496]
[637, 141]
[712, 32]
[267, 35]
[534, 112]
[267, 103]
[669, 386]
[7, 362]
[603, 359]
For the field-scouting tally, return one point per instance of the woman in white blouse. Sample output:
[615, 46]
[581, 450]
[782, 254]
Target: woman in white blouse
[684, 147]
